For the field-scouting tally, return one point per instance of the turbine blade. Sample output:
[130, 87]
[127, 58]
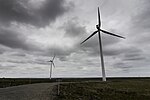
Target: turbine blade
[112, 34]
[99, 18]
[53, 58]
[89, 36]
[53, 64]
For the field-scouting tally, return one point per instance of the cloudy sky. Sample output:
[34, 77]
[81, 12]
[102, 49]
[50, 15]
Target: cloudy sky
[31, 31]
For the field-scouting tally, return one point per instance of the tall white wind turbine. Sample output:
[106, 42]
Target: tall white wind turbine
[100, 43]
[51, 65]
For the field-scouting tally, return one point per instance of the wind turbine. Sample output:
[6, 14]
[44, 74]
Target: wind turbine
[51, 65]
[100, 42]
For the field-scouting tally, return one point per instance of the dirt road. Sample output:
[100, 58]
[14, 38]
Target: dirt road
[41, 91]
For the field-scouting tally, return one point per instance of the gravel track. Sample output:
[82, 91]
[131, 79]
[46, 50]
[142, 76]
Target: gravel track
[40, 91]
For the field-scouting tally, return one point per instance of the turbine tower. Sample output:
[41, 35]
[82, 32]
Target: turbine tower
[51, 65]
[100, 43]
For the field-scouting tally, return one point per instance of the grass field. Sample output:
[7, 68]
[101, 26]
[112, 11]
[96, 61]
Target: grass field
[92, 88]
[127, 89]
[8, 82]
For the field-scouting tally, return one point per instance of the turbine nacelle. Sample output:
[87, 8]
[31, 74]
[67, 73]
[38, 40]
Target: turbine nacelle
[50, 61]
[98, 27]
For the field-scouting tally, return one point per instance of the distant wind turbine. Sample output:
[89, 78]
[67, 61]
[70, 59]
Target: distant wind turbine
[100, 43]
[51, 65]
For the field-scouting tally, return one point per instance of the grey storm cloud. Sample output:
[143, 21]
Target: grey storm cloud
[28, 29]
[1, 50]
[133, 54]
[36, 61]
[141, 20]
[73, 29]
[112, 51]
[123, 66]
[18, 54]
[61, 53]
[140, 24]
[6, 66]
[14, 40]
[21, 11]
[134, 58]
